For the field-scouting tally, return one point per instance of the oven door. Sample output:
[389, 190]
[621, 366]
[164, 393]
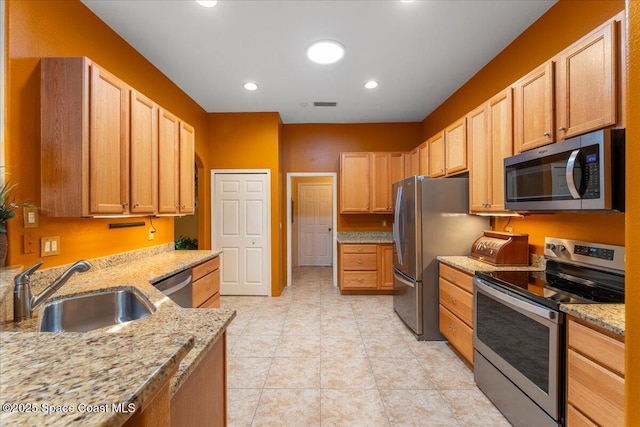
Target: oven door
[521, 339]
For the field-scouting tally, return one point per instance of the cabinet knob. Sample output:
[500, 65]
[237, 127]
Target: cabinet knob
[137, 205]
[125, 204]
[360, 261]
[184, 206]
[562, 129]
[359, 249]
[547, 134]
[452, 298]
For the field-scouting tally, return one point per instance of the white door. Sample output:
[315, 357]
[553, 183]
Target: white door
[315, 224]
[241, 230]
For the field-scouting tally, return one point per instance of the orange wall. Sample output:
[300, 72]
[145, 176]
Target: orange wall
[251, 141]
[632, 297]
[566, 22]
[67, 28]
[317, 147]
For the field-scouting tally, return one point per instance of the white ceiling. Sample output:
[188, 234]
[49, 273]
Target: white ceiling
[420, 52]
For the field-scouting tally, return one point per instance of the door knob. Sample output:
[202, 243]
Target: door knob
[329, 229]
[253, 242]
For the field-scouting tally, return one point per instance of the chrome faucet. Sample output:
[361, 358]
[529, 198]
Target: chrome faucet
[24, 303]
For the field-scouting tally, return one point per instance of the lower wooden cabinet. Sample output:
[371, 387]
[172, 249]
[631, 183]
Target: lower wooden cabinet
[202, 399]
[595, 377]
[456, 309]
[206, 284]
[156, 411]
[365, 267]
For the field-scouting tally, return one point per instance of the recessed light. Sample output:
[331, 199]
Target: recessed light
[207, 3]
[371, 84]
[406, 1]
[250, 86]
[325, 52]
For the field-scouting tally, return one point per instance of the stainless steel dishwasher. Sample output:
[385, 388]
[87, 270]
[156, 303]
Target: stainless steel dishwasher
[177, 287]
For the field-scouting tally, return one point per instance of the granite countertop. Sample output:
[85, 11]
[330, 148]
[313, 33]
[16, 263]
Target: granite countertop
[471, 265]
[196, 329]
[364, 237]
[608, 316]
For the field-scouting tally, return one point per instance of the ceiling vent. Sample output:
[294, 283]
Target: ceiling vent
[325, 104]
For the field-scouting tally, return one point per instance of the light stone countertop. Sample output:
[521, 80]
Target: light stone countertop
[608, 316]
[362, 237]
[197, 328]
[471, 265]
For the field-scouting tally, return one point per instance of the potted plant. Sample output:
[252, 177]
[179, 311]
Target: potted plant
[7, 211]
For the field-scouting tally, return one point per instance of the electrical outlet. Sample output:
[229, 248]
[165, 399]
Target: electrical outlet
[508, 229]
[50, 246]
[152, 234]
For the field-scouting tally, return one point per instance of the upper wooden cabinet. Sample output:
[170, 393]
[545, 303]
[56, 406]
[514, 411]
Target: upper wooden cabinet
[187, 169]
[448, 150]
[490, 134]
[355, 180]
[574, 93]
[366, 180]
[533, 111]
[144, 154]
[99, 144]
[423, 153]
[586, 83]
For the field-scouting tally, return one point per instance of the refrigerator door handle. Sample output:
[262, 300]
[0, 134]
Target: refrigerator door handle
[396, 225]
[402, 280]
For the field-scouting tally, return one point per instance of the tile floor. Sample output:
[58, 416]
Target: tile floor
[314, 357]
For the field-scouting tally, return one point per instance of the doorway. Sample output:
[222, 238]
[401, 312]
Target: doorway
[241, 223]
[313, 182]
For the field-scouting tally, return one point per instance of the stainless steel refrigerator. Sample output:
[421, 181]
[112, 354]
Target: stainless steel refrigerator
[431, 218]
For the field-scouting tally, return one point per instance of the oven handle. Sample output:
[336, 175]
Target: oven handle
[516, 303]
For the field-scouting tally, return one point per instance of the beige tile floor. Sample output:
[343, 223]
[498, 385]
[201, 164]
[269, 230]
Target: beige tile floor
[314, 357]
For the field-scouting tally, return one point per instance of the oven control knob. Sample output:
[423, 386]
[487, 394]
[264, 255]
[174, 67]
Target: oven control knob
[562, 248]
[551, 246]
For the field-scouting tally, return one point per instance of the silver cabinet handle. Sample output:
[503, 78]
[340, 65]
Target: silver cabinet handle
[562, 129]
[547, 134]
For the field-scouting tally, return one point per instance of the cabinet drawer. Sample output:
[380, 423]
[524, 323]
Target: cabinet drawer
[595, 391]
[205, 268]
[359, 249]
[457, 332]
[359, 279]
[576, 419]
[457, 277]
[458, 301]
[213, 302]
[205, 287]
[605, 350]
[360, 261]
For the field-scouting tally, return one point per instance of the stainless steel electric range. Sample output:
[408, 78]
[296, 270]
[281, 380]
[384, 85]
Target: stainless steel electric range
[519, 332]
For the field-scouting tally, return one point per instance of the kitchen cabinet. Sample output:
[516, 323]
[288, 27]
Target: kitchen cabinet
[366, 180]
[595, 376]
[448, 150]
[202, 399]
[156, 411]
[490, 142]
[456, 309]
[574, 93]
[423, 153]
[144, 154]
[365, 267]
[533, 111]
[355, 181]
[100, 149]
[206, 284]
[176, 165]
[586, 84]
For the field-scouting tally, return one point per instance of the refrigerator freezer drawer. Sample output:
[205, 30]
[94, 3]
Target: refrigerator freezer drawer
[407, 302]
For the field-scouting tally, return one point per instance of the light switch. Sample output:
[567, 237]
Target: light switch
[30, 217]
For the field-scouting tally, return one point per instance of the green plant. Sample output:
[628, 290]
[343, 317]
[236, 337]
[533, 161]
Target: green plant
[7, 204]
[186, 243]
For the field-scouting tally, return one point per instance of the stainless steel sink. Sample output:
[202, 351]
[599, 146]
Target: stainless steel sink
[93, 311]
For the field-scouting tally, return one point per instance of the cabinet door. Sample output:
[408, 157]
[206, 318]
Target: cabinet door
[415, 161]
[436, 155]
[380, 182]
[455, 139]
[144, 154]
[500, 110]
[586, 97]
[480, 156]
[396, 162]
[168, 162]
[423, 151]
[187, 169]
[533, 109]
[108, 144]
[385, 267]
[354, 182]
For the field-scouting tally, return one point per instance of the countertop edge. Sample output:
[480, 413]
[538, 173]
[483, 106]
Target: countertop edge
[471, 266]
[610, 317]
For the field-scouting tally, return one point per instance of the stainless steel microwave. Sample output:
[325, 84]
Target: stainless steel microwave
[584, 173]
